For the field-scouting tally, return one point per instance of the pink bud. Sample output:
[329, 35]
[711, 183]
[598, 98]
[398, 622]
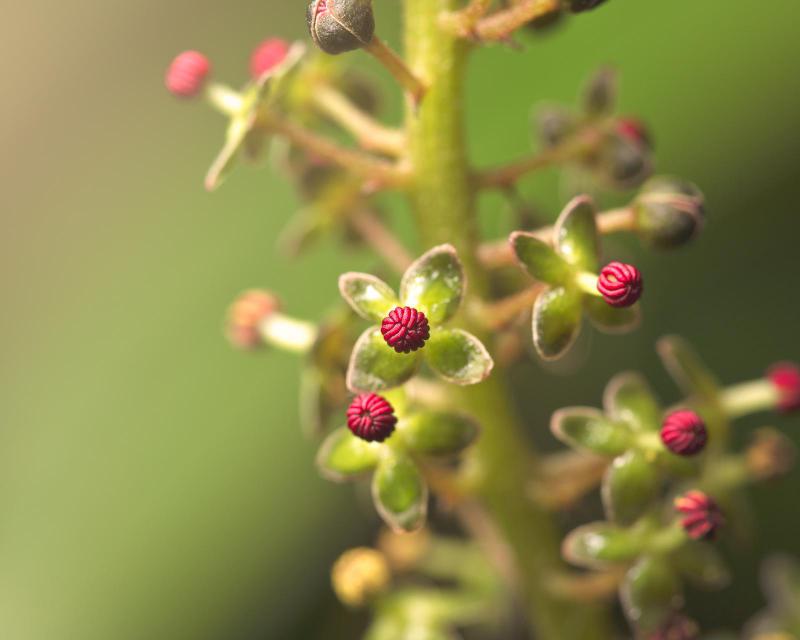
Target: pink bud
[620, 284]
[785, 376]
[702, 515]
[266, 56]
[245, 315]
[684, 433]
[187, 74]
[371, 417]
[405, 329]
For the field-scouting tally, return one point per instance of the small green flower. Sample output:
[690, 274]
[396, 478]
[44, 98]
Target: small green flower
[431, 291]
[570, 267]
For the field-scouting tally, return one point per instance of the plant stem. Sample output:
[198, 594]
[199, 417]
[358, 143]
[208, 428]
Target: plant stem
[372, 230]
[397, 67]
[444, 205]
[500, 25]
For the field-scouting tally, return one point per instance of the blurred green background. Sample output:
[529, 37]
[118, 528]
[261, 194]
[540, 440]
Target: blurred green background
[153, 483]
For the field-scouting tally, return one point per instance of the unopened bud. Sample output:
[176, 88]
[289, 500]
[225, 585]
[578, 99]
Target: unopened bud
[187, 74]
[620, 284]
[245, 316]
[359, 575]
[669, 211]
[785, 378]
[600, 94]
[267, 55]
[338, 26]
[701, 515]
[771, 454]
[623, 162]
[554, 125]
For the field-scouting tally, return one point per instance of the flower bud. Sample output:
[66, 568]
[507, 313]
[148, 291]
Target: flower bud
[702, 517]
[620, 284]
[577, 6]
[785, 377]
[246, 314]
[187, 74]
[337, 26]
[600, 94]
[404, 550]
[371, 417]
[676, 627]
[684, 433]
[669, 212]
[770, 455]
[267, 55]
[624, 162]
[553, 125]
[405, 329]
[359, 575]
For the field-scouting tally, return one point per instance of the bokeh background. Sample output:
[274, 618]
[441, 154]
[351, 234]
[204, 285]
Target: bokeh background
[154, 483]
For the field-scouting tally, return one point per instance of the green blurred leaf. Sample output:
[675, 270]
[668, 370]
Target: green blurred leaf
[612, 319]
[576, 237]
[630, 486]
[370, 297]
[556, 321]
[458, 356]
[687, 369]
[650, 592]
[539, 258]
[702, 564]
[434, 284]
[400, 493]
[343, 456]
[375, 366]
[599, 544]
[628, 397]
[589, 430]
[438, 433]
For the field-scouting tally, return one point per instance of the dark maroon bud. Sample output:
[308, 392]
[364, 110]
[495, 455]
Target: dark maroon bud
[620, 284]
[371, 417]
[684, 433]
[554, 125]
[405, 329]
[669, 211]
[702, 517]
[338, 26]
[624, 162]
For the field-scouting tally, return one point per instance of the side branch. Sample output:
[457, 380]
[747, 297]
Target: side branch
[500, 25]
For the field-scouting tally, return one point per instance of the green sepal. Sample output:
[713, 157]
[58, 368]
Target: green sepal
[375, 366]
[701, 564]
[588, 429]
[369, 297]
[458, 356]
[630, 486]
[576, 237]
[438, 433]
[601, 543]
[434, 284]
[539, 258]
[556, 321]
[650, 592]
[400, 493]
[342, 456]
[687, 369]
[610, 319]
[629, 398]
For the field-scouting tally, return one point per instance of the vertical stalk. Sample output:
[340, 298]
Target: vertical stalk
[443, 200]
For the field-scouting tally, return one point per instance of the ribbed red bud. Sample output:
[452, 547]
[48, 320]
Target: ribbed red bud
[267, 55]
[620, 284]
[245, 315]
[371, 417]
[785, 376]
[702, 516]
[187, 74]
[634, 130]
[405, 329]
[684, 433]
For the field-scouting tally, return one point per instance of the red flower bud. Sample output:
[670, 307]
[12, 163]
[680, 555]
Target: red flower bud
[684, 433]
[187, 74]
[405, 329]
[244, 316]
[371, 417]
[634, 130]
[267, 56]
[620, 284]
[785, 376]
[702, 515]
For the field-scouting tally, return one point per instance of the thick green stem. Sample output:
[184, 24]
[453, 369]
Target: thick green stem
[443, 200]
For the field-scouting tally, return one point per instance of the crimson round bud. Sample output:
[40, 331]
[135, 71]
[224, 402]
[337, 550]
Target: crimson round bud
[187, 74]
[246, 314]
[785, 376]
[684, 433]
[405, 329]
[577, 6]
[702, 516]
[268, 55]
[337, 26]
[620, 284]
[371, 417]
[634, 130]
